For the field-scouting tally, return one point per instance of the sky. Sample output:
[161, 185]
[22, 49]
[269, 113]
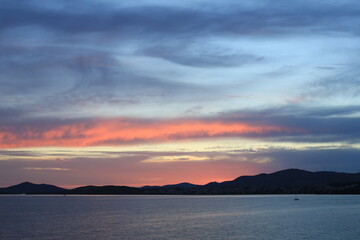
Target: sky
[155, 92]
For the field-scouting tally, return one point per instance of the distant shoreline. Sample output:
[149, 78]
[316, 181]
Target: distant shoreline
[289, 181]
[173, 195]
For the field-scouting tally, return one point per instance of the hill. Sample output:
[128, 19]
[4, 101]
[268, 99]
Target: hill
[179, 185]
[105, 190]
[31, 188]
[290, 177]
[289, 181]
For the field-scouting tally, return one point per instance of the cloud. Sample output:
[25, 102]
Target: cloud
[318, 124]
[345, 84]
[58, 60]
[287, 124]
[8, 114]
[120, 131]
[181, 158]
[263, 17]
[200, 56]
[53, 79]
[339, 159]
[32, 69]
[59, 55]
[46, 169]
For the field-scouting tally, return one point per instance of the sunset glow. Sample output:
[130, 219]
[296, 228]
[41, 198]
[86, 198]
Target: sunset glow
[127, 131]
[159, 92]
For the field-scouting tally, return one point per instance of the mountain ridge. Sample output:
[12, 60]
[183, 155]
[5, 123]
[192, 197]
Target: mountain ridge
[28, 187]
[286, 181]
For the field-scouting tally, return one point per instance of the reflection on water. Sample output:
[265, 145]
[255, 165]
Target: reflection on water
[179, 217]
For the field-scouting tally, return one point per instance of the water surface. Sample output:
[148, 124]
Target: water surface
[179, 217]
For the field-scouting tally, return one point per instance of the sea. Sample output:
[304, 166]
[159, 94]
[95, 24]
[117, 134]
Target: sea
[72, 217]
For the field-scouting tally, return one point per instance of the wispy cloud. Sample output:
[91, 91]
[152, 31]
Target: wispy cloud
[65, 57]
[236, 17]
[102, 132]
[181, 158]
[200, 56]
[283, 124]
[46, 169]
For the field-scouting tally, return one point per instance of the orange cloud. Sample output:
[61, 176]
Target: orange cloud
[122, 131]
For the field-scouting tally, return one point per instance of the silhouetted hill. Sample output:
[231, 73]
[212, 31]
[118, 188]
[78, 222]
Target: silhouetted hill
[179, 185]
[182, 185]
[105, 190]
[31, 188]
[288, 181]
[290, 177]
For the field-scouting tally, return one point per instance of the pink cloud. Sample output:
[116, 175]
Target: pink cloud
[120, 131]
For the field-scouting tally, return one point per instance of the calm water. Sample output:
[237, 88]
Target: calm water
[179, 217]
